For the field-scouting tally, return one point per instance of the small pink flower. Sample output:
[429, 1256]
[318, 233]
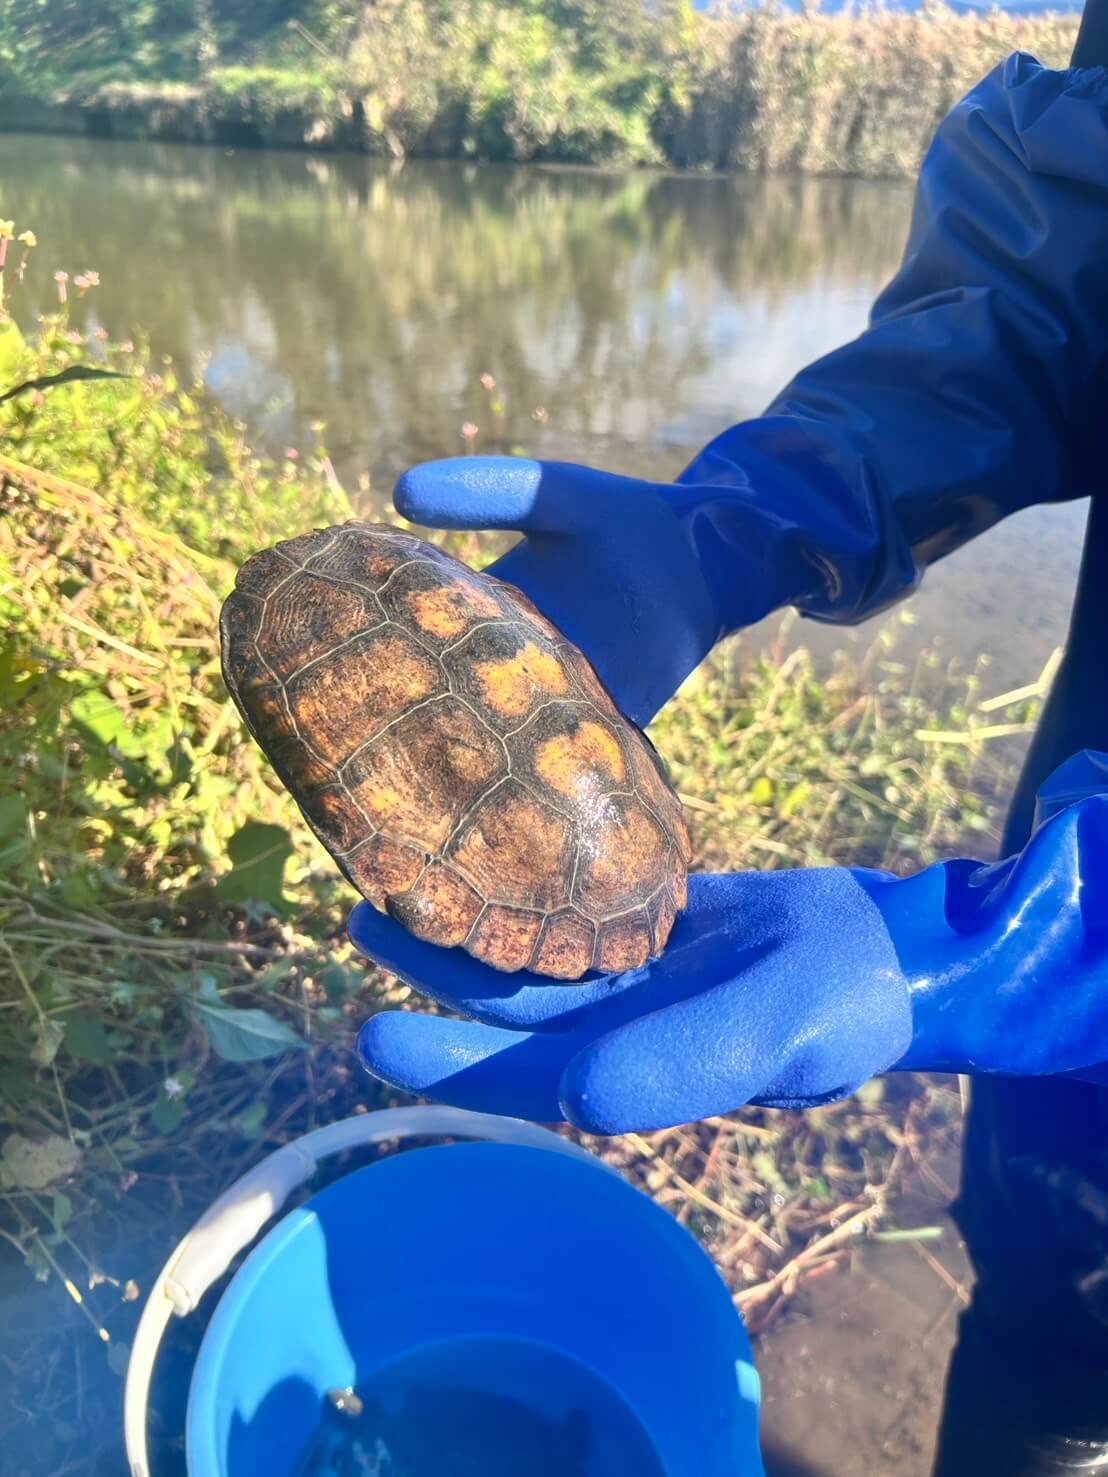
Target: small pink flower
[72, 336]
[81, 283]
[126, 347]
[469, 430]
[93, 279]
[488, 382]
[292, 453]
[101, 334]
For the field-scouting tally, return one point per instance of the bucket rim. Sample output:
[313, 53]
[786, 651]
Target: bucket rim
[235, 1219]
[202, 1454]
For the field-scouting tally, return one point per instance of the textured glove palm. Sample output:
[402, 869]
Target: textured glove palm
[784, 988]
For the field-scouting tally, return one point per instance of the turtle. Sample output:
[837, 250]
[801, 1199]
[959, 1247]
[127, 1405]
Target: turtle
[455, 754]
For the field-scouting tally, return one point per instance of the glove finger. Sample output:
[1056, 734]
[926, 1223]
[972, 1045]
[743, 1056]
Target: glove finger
[488, 492]
[468, 1065]
[456, 980]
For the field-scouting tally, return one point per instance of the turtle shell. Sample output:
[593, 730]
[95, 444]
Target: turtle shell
[454, 753]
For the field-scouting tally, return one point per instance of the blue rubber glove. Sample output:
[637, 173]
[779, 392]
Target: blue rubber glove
[786, 989]
[969, 396]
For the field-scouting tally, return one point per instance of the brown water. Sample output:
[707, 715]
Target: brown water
[638, 313]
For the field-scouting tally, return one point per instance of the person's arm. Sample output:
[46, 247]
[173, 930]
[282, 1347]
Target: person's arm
[971, 396]
[975, 392]
[977, 388]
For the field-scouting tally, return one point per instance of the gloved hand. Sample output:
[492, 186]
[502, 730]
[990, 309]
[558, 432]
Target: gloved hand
[784, 988]
[612, 561]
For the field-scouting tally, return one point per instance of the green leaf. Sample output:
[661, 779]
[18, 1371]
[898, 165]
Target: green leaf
[13, 350]
[33, 1164]
[250, 1122]
[13, 816]
[97, 717]
[245, 1035]
[78, 892]
[167, 1112]
[761, 791]
[258, 853]
[66, 377]
[123, 992]
[795, 799]
[86, 1039]
[207, 988]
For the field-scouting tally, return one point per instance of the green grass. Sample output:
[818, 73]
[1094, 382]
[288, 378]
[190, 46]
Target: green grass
[176, 991]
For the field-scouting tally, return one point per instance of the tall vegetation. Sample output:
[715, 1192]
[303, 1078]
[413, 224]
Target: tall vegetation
[597, 81]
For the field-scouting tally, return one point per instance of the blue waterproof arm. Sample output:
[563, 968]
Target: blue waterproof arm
[785, 988]
[970, 396]
[977, 388]
[973, 393]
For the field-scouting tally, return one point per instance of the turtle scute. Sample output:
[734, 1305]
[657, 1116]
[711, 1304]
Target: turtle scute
[458, 758]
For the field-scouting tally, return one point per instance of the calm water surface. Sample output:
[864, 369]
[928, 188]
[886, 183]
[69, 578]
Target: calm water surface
[638, 314]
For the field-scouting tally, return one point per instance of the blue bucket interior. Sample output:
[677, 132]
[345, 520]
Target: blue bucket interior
[471, 1242]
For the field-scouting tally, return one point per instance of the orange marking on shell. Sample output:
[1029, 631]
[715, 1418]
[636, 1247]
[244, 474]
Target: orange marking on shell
[588, 760]
[512, 683]
[442, 612]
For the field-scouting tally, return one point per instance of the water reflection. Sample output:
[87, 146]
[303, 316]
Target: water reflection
[644, 312]
[627, 305]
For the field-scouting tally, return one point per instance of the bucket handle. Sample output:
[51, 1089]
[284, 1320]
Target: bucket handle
[231, 1223]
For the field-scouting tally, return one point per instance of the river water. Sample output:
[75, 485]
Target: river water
[626, 318]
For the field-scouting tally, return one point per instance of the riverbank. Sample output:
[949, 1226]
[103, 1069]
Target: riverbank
[799, 93]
